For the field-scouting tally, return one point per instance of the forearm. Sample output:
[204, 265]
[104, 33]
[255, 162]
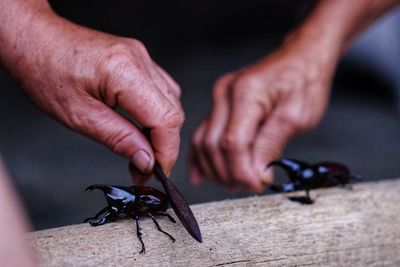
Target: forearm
[15, 17]
[18, 28]
[334, 24]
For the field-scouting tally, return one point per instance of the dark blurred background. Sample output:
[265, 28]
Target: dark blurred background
[196, 42]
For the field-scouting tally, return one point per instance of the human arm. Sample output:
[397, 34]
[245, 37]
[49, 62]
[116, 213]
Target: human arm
[258, 109]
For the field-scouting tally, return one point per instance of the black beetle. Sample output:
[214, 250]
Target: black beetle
[133, 202]
[305, 176]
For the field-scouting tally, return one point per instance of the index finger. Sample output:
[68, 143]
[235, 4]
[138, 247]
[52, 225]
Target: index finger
[144, 101]
[246, 115]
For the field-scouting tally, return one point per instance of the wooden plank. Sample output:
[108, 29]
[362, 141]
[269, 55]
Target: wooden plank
[359, 227]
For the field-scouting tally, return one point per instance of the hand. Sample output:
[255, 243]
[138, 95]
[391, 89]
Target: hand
[79, 76]
[257, 110]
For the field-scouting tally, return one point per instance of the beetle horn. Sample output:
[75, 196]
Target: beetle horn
[102, 187]
[291, 166]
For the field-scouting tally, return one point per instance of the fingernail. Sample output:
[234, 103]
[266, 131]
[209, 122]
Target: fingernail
[142, 161]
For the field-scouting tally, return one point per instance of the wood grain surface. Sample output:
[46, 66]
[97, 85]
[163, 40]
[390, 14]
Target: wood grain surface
[359, 227]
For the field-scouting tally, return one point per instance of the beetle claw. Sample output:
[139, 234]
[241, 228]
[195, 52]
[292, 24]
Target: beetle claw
[90, 188]
[97, 186]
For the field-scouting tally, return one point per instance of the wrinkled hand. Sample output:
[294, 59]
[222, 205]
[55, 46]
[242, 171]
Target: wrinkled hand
[79, 76]
[256, 111]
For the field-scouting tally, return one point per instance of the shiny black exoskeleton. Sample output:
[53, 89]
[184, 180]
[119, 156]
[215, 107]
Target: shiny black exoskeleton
[305, 176]
[132, 202]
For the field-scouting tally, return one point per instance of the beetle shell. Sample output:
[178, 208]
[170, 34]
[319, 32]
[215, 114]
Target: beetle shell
[131, 200]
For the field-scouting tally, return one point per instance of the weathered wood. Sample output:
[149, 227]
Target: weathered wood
[359, 227]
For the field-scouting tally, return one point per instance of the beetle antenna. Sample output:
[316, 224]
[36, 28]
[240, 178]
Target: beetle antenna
[102, 187]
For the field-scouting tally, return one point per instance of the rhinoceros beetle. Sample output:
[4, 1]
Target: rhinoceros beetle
[132, 202]
[305, 176]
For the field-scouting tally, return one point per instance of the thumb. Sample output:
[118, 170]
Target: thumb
[269, 145]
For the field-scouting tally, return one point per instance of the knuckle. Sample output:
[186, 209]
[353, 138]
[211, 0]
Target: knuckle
[176, 86]
[139, 48]
[196, 144]
[119, 60]
[218, 93]
[291, 79]
[196, 139]
[138, 45]
[76, 121]
[299, 123]
[231, 142]
[293, 121]
[177, 89]
[210, 144]
[239, 93]
[245, 81]
[220, 87]
[74, 115]
[178, 92]
[117, 141]
[243, 87]
[173, 118]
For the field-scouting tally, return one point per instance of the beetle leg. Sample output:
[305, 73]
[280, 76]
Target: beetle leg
[164, 213]
[307, 199]
[159, 228]
[304, 200]
[96, 216]
[139, 234]
[308, 193]
[109, 216]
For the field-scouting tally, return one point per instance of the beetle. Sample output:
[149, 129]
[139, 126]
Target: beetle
[305, 176]
[132, 202]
